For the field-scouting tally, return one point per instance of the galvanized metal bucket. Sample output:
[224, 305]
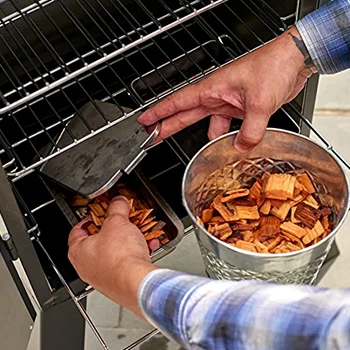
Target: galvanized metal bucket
[202, 179]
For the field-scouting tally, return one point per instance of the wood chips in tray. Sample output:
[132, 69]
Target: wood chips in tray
[140, 214]
[280, 213]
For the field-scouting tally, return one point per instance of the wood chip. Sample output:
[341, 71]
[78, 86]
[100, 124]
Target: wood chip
[243, 227]
[144, 215]
[255, 192]
[98, 220]
[248, 236]
[311, 201]
[164, 240]
[266, 207]
[296, 200]
[299, 188]
[223, 210]
[160, 225]
[223, 231]
[324, 200]
[243, 202]
[293, 229]
[276, 202]
[244, 212]
[292, 216]
[306, 182]
[275, 243]
[279, 186]
[325, 222]
[217, 219]
[313, 233]
[153, 234]
[246, 246]
[325, 211]
[293, 239]
[97, 209]
[147, 221]
[90, 227]
[282, 211]
[269, 228]
[148, 226]
[261, 248]
[136, 213]
[103, 201]
[207, 215]
[235, 194]
[79, 201]
[307, 215]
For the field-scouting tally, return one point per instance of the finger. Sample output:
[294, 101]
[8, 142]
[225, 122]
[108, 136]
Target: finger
[219, 125]
[181, 100]
[180, 121]
[252, 131]
[119, 207]
[153, 244]
[78, 234]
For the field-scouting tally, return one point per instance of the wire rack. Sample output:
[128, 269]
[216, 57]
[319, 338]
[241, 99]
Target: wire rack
[84, 54]
[48, 43]
[30, 122]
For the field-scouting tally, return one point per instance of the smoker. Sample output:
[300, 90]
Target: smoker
[73, 70]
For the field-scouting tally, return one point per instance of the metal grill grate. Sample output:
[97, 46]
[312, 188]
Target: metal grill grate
[49, 42]
[29, 131]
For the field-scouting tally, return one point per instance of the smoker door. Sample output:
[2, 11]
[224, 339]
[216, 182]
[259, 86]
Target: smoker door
[15, 318]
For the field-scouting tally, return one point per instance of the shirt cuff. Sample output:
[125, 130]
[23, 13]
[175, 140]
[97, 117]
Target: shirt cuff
[326, 34]
[163, 296]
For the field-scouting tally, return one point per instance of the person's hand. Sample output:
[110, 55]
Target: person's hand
[115, 260]
[251, 88]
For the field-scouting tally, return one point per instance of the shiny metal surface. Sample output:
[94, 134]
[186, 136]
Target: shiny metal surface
[94, 166]
[225, 261]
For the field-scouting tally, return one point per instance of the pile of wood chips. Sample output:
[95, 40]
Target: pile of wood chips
[140, 215]
[280, 213]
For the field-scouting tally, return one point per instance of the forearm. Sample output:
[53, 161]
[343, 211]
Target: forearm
[201, 313]
[326, 34]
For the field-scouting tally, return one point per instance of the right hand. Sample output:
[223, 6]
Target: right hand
[251, 88]
[115, 260]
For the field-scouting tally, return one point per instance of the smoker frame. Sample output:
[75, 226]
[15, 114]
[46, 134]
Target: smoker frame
[54, 305]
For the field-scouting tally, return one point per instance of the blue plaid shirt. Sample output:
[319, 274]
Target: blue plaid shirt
[200, 313]
[326, 34]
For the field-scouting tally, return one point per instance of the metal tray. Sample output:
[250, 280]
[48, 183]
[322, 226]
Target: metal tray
[144, 190]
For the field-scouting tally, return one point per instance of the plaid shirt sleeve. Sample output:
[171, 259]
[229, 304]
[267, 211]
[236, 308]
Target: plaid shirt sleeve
[326, 34]
[200, 313]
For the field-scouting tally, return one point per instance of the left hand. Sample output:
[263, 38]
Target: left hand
[115, 260]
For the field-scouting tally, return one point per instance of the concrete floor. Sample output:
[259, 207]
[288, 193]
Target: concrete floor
[119, 327]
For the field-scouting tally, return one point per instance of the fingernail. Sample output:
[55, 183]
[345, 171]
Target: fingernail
[119, 198]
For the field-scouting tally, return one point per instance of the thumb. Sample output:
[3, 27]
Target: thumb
[252, 131]
[119, 207]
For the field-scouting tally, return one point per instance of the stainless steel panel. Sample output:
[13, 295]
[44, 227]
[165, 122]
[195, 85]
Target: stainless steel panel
[15, 319]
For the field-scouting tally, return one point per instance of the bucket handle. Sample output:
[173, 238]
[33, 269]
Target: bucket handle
[328, 146]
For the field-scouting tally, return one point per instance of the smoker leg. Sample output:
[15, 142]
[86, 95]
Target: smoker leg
[62, 327]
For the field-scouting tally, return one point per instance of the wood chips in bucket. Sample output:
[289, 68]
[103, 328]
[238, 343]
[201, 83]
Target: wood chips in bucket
[278, 213]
